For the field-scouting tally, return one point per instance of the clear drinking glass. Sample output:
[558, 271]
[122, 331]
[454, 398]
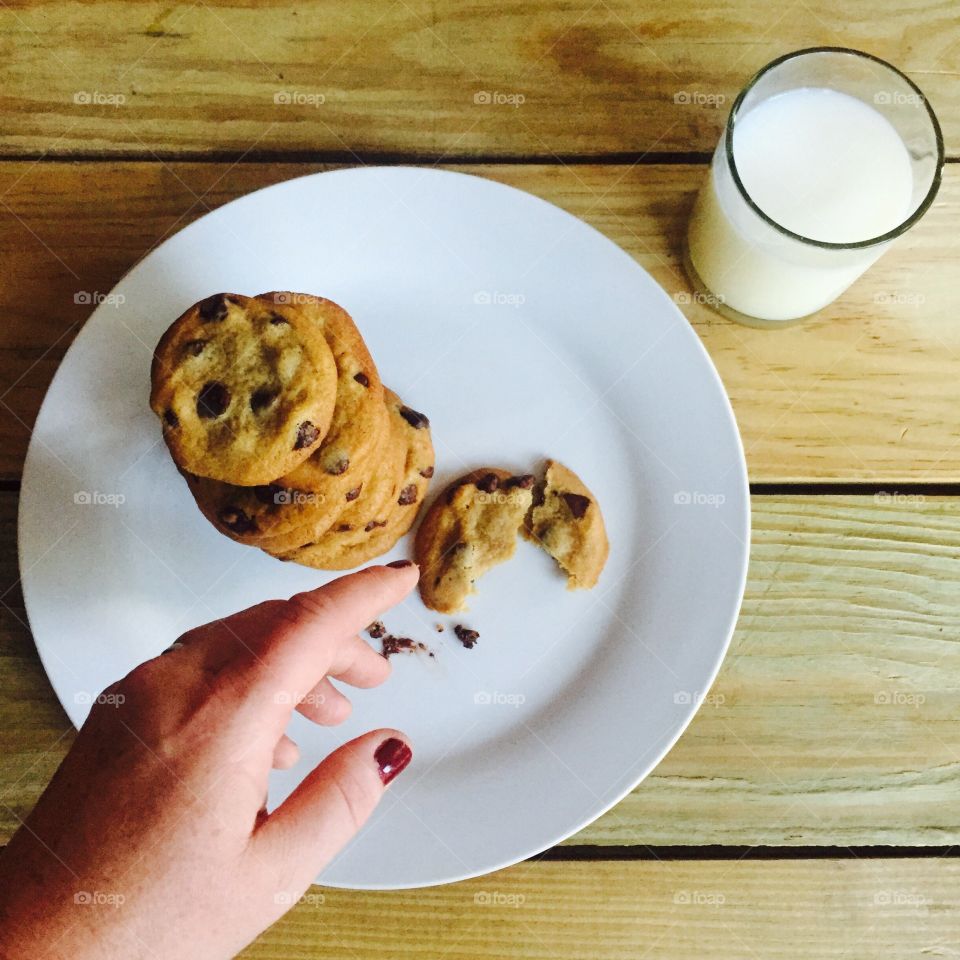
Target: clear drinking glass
[877, 145]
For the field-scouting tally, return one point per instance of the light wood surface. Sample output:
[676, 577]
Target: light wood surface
[615, 911]
[866, 392]
[833, 720]
[596, 77]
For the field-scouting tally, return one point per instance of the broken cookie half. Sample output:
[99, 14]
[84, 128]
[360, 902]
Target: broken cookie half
[566, 522]
[473, 526]
[470, 527]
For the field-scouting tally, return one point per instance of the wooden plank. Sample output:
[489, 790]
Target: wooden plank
[142, 79]
[868, 391]
[34, 731]
[614, 911]
[833, 720]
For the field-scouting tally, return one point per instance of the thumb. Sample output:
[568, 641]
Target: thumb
[331, 804]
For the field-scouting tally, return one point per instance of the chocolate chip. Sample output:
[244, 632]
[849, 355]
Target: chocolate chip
[427, 472]
[276, 320]
[377, 629]
[416, 420]
[170, 418]
[213, 400]
[488, 483]
[262, 398]
[213, 308]
[307, 435]
[354, 493]
[408, 495]
[362, 379]
[344, 527]
[373, 524]
[467, 637]
[577, 503]
[524, 482]
[236, 520]
[194, 347]
[341, 466]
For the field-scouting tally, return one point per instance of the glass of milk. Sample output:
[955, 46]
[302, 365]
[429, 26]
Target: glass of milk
[827, 157]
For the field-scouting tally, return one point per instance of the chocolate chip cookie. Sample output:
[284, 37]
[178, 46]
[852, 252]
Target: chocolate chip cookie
[373, 526]
[353, 430]
[276, 514]
[566, 522]
[335, 473]
[245, 390]
[470, 527]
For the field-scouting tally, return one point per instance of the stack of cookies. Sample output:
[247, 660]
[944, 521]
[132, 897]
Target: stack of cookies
[274, 412]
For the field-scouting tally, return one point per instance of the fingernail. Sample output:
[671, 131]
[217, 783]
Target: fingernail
[392, 756]
[400, 564]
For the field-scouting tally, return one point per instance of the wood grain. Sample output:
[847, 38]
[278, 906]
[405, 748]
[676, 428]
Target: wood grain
[833, 720]
[34, 731]
[615, 911]
[867, 391]
[595, 78]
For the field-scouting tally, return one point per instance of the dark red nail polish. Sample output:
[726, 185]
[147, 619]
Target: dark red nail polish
[392, 756]
[400, 564]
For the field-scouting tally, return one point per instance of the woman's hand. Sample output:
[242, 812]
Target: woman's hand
[152, 840]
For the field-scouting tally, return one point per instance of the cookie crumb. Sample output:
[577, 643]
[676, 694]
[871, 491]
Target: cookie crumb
[377, 629]
[466, 636]
[439, 627]
[391, 645]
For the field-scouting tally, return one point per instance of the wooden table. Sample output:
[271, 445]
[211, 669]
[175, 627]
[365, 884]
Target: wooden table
[812, 807]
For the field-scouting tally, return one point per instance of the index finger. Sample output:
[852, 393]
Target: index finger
[315, 633]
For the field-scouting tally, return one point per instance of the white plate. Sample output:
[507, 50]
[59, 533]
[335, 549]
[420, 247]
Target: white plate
[522, 333]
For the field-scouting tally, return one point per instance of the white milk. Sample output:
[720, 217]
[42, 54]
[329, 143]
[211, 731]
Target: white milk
[822, 164]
